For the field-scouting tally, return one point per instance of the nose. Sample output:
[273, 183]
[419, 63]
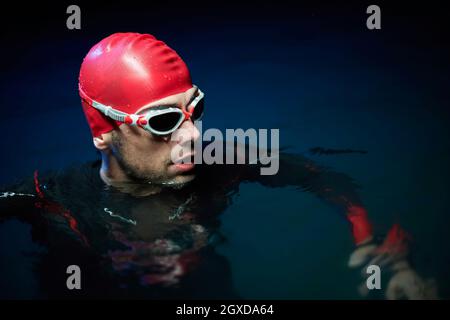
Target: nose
[187, 132]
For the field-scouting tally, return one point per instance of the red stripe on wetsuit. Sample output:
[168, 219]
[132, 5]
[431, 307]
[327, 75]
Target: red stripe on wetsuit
[55, 208]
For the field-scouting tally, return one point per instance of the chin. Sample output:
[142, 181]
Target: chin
[180, 181]
[185, 178]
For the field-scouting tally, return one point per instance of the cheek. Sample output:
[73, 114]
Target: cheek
[142, 146]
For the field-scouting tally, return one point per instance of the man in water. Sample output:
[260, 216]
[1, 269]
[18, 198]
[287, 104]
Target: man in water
[140, 223]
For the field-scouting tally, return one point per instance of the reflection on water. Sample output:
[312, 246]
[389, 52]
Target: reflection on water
[163, 245]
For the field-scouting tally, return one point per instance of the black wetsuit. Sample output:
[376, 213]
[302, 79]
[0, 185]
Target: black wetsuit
[160, 246]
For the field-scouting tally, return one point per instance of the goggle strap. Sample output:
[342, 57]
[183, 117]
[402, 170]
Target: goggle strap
[131, 119]
[112, 113]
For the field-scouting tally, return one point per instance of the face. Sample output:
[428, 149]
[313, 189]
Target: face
[144, 157]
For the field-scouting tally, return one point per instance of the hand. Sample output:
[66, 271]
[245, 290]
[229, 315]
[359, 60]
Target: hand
[404, 282]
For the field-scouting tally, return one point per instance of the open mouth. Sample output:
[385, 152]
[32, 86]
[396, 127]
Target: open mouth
[184, 167]
[184, 164]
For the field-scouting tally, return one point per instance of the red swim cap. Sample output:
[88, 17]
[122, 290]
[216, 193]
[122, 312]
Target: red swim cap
[128, 71]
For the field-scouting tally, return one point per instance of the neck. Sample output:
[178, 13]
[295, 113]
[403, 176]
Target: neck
[112, 175]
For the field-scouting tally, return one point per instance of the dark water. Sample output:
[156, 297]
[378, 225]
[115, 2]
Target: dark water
[323, 81]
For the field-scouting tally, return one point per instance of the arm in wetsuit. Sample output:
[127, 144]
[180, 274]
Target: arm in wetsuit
[340, 191]
[336, 189]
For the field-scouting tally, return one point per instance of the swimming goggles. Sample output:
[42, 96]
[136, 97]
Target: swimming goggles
[159, 120]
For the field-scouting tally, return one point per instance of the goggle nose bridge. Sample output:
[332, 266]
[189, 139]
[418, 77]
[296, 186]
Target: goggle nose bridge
[187, 115]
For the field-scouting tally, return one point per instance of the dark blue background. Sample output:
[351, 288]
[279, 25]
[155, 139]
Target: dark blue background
[312, 70]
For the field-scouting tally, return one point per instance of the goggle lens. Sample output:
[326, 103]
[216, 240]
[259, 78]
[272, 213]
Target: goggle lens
[165, 122]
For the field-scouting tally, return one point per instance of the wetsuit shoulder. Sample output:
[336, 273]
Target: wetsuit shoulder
[21, 231]
[53, 201]
[17, 201]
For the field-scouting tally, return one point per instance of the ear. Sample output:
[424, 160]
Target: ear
[102, 142]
